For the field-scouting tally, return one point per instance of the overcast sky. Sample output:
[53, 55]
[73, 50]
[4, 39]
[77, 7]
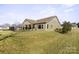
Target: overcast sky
[13, 13]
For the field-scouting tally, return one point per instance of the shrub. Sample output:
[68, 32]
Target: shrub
[0, 34]
[58, 30]
[66, 27]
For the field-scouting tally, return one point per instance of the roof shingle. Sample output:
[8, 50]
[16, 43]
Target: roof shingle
[43, 20]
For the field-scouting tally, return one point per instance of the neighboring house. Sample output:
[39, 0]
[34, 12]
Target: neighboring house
[74, 26]
[49, 23]
[4, 28]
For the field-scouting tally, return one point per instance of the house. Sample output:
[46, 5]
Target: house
[4, 28]
[48, 23]
[74, 26]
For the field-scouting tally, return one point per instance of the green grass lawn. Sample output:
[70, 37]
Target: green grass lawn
[5, 34]
[43, 42]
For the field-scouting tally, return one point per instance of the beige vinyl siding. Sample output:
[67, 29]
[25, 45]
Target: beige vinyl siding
[53, 24]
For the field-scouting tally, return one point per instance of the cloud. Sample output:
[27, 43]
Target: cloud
[11, 17]
[48, 12]
[69, 10]
[68, 5]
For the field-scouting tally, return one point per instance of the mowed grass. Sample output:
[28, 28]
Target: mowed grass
[5, 34]
[41, 42]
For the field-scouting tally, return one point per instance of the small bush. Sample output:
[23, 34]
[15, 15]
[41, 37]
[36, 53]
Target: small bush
[66, 27]
[58, 30]
[0, 34]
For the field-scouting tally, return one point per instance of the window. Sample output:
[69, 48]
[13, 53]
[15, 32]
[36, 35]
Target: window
[26, 27]
[23, 28]
[39, 26]
[33, 25]
[42, 26]
[29, 26]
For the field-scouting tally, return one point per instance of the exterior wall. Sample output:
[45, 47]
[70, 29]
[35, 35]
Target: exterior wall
[36, 27]
[4, 28]
[26, 23]
[53, 24]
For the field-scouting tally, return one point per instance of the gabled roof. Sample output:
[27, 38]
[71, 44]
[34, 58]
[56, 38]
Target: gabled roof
[30, 20]
[43, 20]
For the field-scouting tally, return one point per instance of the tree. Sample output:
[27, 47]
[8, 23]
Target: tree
[15, 26]
[6, 25]
[66, 27]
